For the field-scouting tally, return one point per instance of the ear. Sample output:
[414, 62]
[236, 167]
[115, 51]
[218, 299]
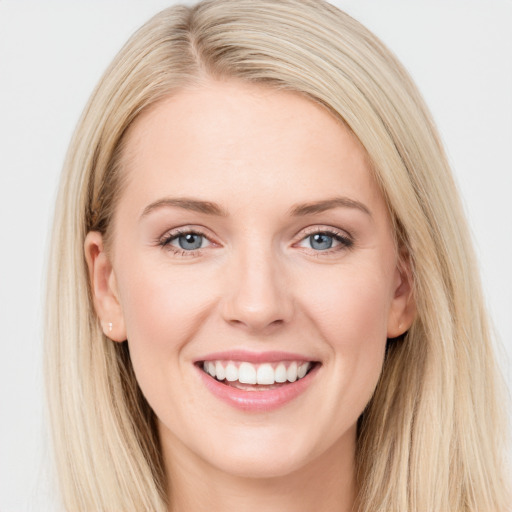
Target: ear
[403, 305]
[104, 288]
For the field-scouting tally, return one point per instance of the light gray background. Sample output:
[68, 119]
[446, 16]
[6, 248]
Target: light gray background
[51, 55]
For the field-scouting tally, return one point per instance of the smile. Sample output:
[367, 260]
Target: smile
[257, 382]
[249, 376]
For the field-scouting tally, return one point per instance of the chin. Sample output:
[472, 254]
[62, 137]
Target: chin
[261, 456]
[260, 467]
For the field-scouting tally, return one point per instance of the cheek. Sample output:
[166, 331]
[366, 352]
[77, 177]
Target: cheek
[350, 308]
[162, 312]
[350, 313]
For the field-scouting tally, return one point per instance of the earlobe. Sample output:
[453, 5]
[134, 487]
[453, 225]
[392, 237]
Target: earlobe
[403, 306]
[104, 287]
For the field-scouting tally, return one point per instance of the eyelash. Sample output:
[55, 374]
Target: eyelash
[165, 241]
[345, 242]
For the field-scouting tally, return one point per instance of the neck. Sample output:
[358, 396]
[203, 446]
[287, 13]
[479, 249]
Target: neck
[324, 484]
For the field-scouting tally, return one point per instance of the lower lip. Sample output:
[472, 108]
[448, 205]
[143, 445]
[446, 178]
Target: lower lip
[258, 401]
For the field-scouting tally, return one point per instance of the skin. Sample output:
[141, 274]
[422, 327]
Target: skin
[257, 284]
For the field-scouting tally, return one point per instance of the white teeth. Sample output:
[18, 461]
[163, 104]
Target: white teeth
[301, 371]
[264, 374]
[210, 368]
[231, 372]
[292, 372]
[220, 373]
[280, 374]
[247, 373]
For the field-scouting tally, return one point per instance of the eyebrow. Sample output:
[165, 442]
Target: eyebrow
[328, 204]
[187, 204]
[298, 210]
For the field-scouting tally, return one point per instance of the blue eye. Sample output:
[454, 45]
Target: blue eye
[184, 241]
[189, 241]
[326, 241]
[321, 241]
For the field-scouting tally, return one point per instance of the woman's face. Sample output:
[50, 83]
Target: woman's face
[250, 238]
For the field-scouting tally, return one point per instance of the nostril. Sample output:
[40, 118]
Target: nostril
[257, 300]
[260, 325]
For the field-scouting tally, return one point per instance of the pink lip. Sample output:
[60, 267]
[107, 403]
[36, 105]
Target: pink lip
[254, 357]
[257, 401]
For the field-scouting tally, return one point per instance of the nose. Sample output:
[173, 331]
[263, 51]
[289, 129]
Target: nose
[258, 293]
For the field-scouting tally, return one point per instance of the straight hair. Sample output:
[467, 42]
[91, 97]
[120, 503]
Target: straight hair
[432, 438]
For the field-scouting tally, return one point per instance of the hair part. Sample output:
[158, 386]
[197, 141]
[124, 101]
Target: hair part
[432, 436]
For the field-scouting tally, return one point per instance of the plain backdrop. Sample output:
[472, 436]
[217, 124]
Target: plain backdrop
[52, 53]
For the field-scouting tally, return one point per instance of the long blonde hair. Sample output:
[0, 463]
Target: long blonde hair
[432, 437]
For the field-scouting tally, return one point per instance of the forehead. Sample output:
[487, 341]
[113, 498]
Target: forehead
[247, 139]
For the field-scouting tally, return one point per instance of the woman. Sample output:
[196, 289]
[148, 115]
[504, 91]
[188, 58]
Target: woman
[262, 290]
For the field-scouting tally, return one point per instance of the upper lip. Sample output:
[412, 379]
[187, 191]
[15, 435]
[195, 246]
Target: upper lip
[254, 357]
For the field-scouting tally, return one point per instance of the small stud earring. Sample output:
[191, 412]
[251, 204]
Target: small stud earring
[110, 327]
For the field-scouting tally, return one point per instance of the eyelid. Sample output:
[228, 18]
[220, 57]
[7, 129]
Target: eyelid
[176, 237]
[165, 240]
[182, 230]
[323, 228]
[345, 239]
